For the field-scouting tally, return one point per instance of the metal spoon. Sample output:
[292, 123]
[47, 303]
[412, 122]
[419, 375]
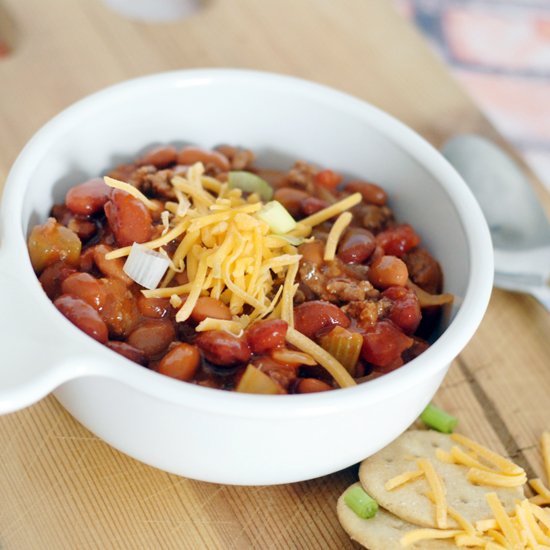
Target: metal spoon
[519, 228]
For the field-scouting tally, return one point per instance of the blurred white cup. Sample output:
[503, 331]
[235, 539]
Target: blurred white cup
[154, 10]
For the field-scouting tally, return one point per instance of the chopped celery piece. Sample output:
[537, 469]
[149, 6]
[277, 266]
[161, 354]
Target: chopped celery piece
[247, 181]
[255, 381]
[344, 346]
[360, 502]
[277, 217]
[438, 419]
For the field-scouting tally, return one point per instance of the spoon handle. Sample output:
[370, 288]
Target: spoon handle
[530, 284]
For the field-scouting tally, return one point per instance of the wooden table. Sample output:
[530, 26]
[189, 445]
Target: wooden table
[60, 486]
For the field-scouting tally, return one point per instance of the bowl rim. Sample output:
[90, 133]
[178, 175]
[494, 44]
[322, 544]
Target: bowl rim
[437, 357]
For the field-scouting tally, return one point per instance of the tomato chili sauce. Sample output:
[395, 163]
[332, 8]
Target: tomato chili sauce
[369, 305]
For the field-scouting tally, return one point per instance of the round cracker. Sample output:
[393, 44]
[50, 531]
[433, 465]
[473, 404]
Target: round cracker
[409, 501]
[383, 531]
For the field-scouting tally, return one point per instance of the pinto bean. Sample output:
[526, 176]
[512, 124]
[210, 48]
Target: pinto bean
[52, 278]
[83, 315]
[311, 205]
[160, 157]
[191, 155]
[156, 308]
[110, 268]
[181, 362]
[210, 307]
[291, 199]
[405, 309]
[128, 218]
[388, 271]
[311, 385]
[128, 351]
[222, 348]
[152, 336]
[356, 246]
[310, 318]
[120, 311]
[88, 198]
[312, 252]
[371, 193]
[85, 287]
[266, 335]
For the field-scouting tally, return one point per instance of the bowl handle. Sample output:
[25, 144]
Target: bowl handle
[32, 361]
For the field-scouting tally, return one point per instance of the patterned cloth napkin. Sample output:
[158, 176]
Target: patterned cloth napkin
[500, 51]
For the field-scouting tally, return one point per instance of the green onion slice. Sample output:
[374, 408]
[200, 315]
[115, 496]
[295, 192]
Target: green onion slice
[438, 419]
[251, 183]
[360, 502]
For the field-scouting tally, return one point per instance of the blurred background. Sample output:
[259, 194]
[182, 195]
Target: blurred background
[499, 50]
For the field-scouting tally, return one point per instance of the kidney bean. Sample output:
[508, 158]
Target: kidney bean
[405, 310]
[371, 193]
[128, 218]
[51, 242]
[128, 351]
[120, 311]
[356, 246]
[311, 385]
[210, 307]
[312, 252]
[310, 318]
[327, 179]
[110, 268]
[160, 157]
[388, 271]
[398, 240]
[311, 205]
[291, 199]
[191, 155]
[53, 276]
[83, 315]
[383, 344]
[152, 336]
[87, 288]
[222, 348]
[263, 336]
[156, 308]
[88, 197]
[181, 362]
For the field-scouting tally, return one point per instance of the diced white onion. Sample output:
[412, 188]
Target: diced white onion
[146, 267]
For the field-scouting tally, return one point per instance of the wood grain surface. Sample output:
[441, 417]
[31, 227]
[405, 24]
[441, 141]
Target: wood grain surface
[63, 488]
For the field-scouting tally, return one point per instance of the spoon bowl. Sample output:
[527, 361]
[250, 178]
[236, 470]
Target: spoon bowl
[519, 227]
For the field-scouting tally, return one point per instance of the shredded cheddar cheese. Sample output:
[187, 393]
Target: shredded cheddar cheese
[417, 535]
[401, 479]
[130, 189]
[335, 233]
[484, 477]
[504, 521]
[503, 464]
[527, 527]
[217, 238]
[437, 489]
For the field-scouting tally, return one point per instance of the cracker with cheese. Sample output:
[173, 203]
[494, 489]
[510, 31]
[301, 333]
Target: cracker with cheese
[384, 531]
[422, 487]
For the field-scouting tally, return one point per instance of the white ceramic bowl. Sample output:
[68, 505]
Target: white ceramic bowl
[199, 432]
